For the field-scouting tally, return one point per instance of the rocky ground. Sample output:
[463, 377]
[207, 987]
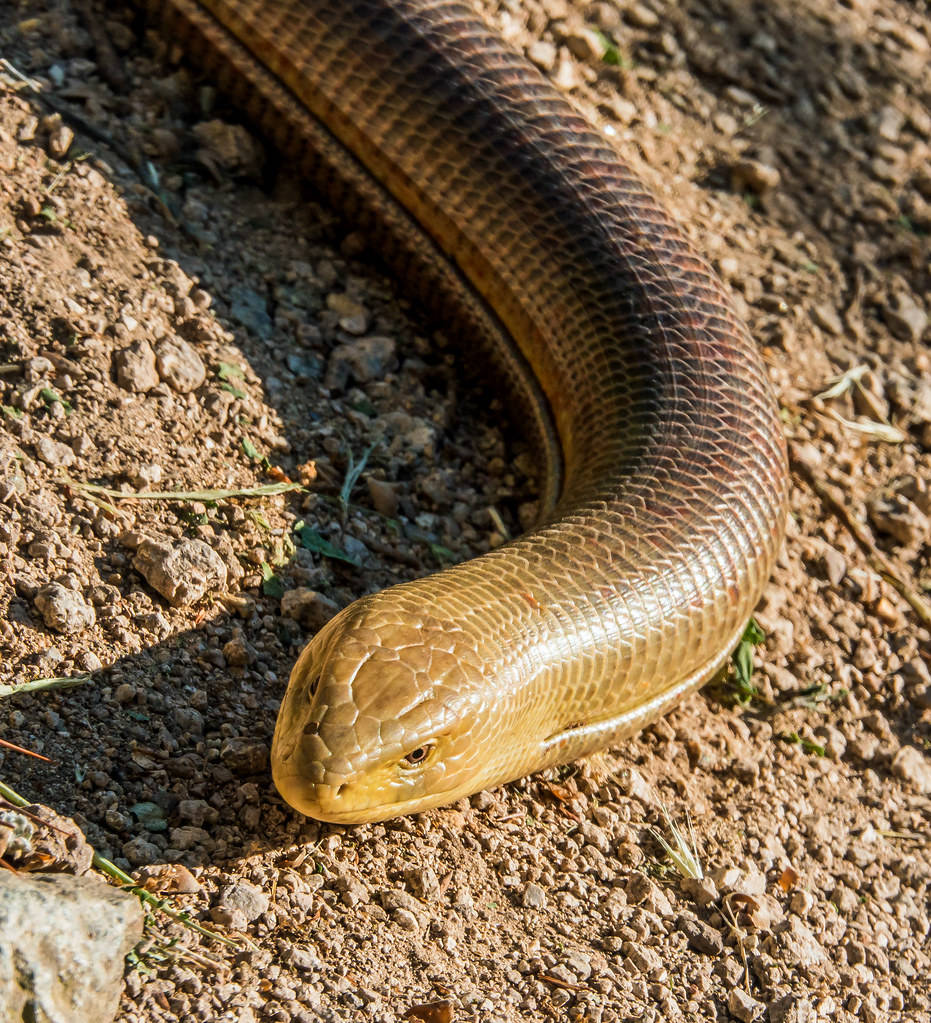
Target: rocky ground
[177, 314]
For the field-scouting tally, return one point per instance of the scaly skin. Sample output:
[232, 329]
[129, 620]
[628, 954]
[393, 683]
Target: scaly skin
[502, 209]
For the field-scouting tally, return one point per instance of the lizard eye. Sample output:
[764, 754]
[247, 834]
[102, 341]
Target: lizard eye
[417, 756]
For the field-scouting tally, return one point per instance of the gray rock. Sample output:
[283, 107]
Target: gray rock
[197, 812]
[54, 453]
[642, 891]
[864, 747]
[905, 317]
[189, 720]
[423, 882]
[833, 740]
[243, 755]
[642, 958]
[405, 919]
[641, 16]
[700, 936]
[405, 910]
[533, 897]
[889, 123]
[703, 890]
[834, 564]
[135, 367]
[911, 765]
[562, 973]
[64, 941]
[87, 660]
[308, 607]
[249, 308]
[916, 670]
[64, 610]
[754, 176]
[364, 360]
[244, 898]
[230, 146]
[580, 964]
[353, 316]
[901, 519]
[181, 572]
[305, 366]
[140, 851]
[237, 652]
[352, 891]
[59, 141]
[543, 54]
[179, 365]
[791, 1008]
[585, 44]
[742, 1006]
[800, 945]
[384, 496]
[825, 315]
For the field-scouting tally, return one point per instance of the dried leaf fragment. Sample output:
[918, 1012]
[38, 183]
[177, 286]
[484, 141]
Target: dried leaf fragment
[431, 1012]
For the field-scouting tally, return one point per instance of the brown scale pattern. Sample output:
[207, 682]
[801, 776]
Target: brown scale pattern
[498, 205]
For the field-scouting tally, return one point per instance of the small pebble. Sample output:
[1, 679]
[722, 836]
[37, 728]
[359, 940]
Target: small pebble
[135, 367]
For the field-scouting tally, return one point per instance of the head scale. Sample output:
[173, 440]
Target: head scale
[384, 716]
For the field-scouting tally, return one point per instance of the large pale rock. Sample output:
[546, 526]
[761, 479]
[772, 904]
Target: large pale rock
[182, 572]
[62, 944]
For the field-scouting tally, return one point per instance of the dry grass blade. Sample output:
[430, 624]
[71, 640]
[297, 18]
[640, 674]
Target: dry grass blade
[904, 836]
[62, 682]
[22, 749]
[883, 432]
[265, 490]
[727, 911]
[842, 384]
[682, 850]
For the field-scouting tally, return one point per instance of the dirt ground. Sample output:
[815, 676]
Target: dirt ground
[176, 313]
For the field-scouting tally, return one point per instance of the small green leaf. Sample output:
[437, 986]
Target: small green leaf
[364, 406]
[258, 518]
[753, 634]
[311, 540]
[272, 586]
[610, 52]
[442, 554]
[234, 391]
[230, 371]
[50, 397]
[11, 413]
[250, 449]
[742, 659]
[808, 745]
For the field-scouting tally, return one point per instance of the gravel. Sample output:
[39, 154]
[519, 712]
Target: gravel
[246, 339]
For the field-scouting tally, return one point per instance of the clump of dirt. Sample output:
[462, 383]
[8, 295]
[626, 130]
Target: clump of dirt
[177, 314]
